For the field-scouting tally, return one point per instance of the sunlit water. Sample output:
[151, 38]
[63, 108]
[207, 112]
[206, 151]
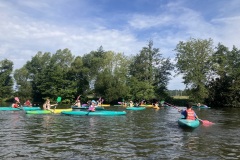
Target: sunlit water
[146, 134]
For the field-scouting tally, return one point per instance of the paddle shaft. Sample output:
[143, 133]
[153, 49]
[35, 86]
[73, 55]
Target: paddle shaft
[172, 105]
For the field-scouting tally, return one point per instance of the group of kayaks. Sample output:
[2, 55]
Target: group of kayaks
[100, 111]
[74, 110]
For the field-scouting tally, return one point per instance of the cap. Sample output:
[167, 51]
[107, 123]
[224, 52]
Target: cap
[93, 101]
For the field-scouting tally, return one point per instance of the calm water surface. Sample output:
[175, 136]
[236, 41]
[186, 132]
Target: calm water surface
[146, 134]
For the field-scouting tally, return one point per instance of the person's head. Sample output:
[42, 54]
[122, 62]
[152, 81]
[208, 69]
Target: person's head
[94, 102]
[189, 105]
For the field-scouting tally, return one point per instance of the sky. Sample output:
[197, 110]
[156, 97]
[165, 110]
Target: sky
[122, 26]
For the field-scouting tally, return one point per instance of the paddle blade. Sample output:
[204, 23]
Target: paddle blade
[59, 99]
[206, 122]
[16, 99]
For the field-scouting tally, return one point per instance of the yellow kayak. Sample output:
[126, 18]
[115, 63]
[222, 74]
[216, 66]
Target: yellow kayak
[105, 105]
[147, 105]
[60, 110]
[57, 111]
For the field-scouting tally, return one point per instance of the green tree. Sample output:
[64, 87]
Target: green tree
[6, 80]
[193, 62]
[225, 85]
[151, 71]
[24, 85]
[49, 75]
[78, 75]
[112, 81]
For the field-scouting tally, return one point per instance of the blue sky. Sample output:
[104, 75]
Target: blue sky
[29, 26]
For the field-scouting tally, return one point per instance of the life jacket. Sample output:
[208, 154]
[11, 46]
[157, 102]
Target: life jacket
[15, 105]
[91, 108]
[190, 115]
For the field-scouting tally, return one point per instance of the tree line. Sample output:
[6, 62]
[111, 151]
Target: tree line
[211, 74]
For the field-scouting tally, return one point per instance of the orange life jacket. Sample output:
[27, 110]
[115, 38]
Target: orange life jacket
[190, 115]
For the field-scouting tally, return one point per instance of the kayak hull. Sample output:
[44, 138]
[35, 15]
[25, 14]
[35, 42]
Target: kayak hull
[18, 109]
[204, 106]
[96, 113]
[56, 111]
[74, 108]
[136, 108]
[9, 109]
[104, 105]
[147, 105]
[185, 123]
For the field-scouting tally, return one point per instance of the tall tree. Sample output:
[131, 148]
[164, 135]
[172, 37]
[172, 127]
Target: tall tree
[6, 81]
[225, 85]
[193, 62]
[24, 85]
[151, 71]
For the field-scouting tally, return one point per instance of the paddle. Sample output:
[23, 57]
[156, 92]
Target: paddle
[204, 122]
[58, 100]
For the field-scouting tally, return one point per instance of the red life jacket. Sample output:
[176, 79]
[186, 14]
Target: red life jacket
[190, 115]
[15, 105]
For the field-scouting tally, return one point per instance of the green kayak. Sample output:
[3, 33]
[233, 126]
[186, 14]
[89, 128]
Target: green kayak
[136, 108]
[96, 113]
[185, 123]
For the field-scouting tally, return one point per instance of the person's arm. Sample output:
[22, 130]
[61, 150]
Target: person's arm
[196, 115]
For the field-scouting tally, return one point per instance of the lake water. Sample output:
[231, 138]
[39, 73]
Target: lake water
[147, 134]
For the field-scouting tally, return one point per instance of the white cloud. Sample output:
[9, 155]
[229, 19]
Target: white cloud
[31, 26]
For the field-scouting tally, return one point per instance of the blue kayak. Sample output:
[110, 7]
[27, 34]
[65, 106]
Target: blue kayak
[96, 113]
[136, 108]
[20, 108]
[185, 123]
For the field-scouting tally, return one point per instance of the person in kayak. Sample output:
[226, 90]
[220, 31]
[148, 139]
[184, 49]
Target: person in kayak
[189, 113]
[78, 103]
[131, 104]
[15, 104]
[156, 105]
[92, 107]
[28, 103]
[47, 105]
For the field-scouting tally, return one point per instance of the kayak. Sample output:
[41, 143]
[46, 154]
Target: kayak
[9, 109]
[85, 108]
[75, 108]
[119, 105]
[20, 108]
[147, 105]
[96, 113]
[57, 111]
[105, 105]
[136, 108]
[31, 108]
[185, 123]
[203, 106]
